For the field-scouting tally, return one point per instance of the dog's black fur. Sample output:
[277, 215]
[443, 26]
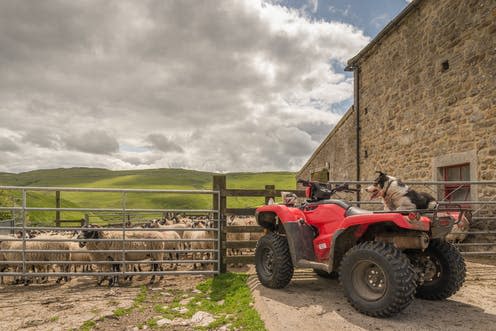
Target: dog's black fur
[420, 199]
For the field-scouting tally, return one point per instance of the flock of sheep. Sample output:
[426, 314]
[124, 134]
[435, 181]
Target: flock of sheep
[153, 247]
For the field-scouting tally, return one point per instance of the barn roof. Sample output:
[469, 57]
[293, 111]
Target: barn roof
[390, 27]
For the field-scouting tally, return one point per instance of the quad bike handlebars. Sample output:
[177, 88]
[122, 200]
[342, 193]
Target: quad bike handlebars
[322, 191]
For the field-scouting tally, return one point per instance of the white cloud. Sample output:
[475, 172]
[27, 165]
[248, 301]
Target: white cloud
[235, 86]
[380, 21]
[314, 5]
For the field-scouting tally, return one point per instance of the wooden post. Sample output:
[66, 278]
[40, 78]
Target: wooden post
[57, 205]
[219, 203]
[270, 193]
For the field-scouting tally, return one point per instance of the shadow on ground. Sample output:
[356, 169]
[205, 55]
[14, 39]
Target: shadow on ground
[311, 302]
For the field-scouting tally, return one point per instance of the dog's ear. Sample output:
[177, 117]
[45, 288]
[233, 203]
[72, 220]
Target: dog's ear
[381, 179]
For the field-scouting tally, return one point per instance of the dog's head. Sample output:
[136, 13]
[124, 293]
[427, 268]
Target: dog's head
[377, 189]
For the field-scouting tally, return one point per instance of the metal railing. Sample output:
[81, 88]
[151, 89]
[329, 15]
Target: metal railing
[482, 202]
[118, 251]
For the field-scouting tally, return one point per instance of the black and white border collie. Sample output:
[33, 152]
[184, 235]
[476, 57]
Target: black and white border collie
[396, 195]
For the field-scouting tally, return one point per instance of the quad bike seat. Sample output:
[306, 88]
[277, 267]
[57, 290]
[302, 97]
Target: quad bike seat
[356, 211]
[340, 203]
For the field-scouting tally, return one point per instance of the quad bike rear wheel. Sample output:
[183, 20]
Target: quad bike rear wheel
[325, 274]
[273, 261]
[444, 271]
[377, 278]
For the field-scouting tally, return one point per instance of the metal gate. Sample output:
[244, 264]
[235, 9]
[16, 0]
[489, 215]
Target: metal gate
[125, 248]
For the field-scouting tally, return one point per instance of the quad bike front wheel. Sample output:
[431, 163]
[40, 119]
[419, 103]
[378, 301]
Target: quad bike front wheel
[273, 261]
[377, 278]
[444, 271]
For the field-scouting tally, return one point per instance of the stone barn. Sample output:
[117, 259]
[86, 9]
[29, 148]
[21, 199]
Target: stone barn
[424, 100]
[424, 104]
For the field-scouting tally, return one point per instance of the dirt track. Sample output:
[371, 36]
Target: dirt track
[314, 303]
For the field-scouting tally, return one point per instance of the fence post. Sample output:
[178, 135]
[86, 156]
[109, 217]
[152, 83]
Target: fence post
[219, 203]
[270, 193]
[86, 220]
[57, 205]
[24, 205]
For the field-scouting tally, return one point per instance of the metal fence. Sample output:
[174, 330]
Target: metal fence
[212, 255]
[118, 250]
[480, 199]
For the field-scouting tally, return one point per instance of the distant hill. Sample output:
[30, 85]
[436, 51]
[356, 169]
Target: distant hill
[150, 178]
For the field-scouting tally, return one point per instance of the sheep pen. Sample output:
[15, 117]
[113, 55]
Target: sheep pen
[114, 254]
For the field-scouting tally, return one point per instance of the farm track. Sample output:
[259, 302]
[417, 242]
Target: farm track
[314, 303]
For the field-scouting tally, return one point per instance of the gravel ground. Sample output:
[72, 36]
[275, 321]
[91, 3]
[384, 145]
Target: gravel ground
[314, 303]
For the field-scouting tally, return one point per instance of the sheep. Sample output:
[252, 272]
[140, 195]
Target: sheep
[460, 229]
[172, 245]
[243, 236]
[9, 254]
[3, 267]
[81, 256]
[178, 223]
[199, 245]
[132, 243]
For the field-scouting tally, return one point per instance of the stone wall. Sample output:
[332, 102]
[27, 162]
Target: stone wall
[428, 98]
[337, 150]
[427, 94]
[413, 109]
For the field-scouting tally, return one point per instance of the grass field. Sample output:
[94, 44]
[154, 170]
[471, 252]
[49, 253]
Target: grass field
[178, 179]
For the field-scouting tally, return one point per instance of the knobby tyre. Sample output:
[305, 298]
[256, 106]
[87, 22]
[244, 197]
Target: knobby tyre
[378, 279]
[448, 274]
[273, 261]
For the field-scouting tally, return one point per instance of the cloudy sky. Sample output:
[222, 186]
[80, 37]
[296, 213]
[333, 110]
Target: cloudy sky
[218, 85]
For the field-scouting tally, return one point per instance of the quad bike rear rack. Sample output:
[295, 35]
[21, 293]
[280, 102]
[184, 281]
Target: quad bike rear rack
[441, 208]
[443, 217]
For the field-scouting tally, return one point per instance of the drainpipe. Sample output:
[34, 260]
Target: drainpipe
[356, 106]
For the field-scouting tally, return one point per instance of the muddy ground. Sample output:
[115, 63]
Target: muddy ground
[314, 303]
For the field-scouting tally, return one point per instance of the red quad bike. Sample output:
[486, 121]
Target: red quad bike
[383, 259]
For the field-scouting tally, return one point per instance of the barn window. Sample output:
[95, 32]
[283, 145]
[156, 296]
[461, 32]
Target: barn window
[456, 191]
[320, 176]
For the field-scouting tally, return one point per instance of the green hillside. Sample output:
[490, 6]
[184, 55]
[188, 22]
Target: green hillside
[153, 178]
